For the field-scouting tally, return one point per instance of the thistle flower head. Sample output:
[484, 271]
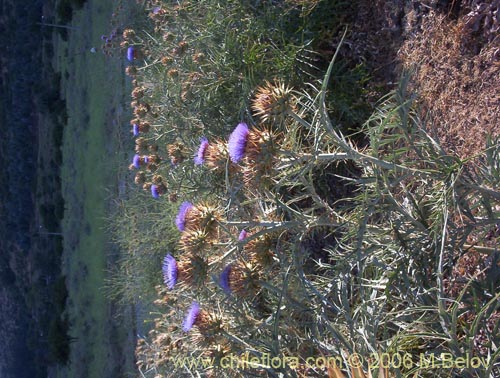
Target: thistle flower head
[260, 251]
[203, 216]
[128, 33]
[216, 156]
[136, 161]
[195, 241]
[272, 101]
[144, 127]
[243, 235]
[224, 279]
[241, 279]
[140, 178]
[260, 159]
[170, 271]
[192, 270]
[191, 317]
[135, 129]
[200, 156]
[208, 329]
[155, 191]
[176, 151]
[130, 53]
[180, 220]
[237, 142]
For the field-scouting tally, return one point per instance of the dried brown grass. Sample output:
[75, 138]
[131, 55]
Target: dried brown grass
[457, 75]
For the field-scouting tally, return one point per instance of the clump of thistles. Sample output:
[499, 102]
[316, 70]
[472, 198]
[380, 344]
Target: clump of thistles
[272, 101]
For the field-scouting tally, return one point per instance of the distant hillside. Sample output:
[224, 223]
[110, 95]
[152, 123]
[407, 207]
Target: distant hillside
[22, 88]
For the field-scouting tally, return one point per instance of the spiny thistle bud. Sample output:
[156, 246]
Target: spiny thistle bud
[141, 144]
[177, 153]
[203, 216]
[241, 279]
[198, 57]
[141, 110]
[209, 329]
[157, 179]
[192, 271]
[144, 127]
[173, 73]
[183, 45]
[138, 92]
[140, 178]
[260, 251]
[260, 159]
[272, 101]
[166, 60]
[131, 70]
[128, 34]
[216, 156]
[195, 241]
[168, 36]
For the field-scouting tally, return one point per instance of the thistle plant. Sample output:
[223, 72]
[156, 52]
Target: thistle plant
[261, 252]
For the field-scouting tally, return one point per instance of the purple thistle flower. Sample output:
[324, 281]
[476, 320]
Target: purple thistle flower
[146, 159]
[156, 10]
[130, 54]
[238, 142]
[104, 37]
[169, 269]
[154, 191]
[191, 316]
[180, 220]
[224, 279]
[135, 129]
[243, 235]
[136, 161]
[200, 157]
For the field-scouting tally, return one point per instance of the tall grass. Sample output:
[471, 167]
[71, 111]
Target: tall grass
[360, 228]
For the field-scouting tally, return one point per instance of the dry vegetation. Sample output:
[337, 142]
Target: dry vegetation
[453, 49]
[457, 73]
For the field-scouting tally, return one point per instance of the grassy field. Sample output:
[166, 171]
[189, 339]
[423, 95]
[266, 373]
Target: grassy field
[93, 86]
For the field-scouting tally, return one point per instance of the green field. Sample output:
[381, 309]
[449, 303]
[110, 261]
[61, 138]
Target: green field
[94, 86]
